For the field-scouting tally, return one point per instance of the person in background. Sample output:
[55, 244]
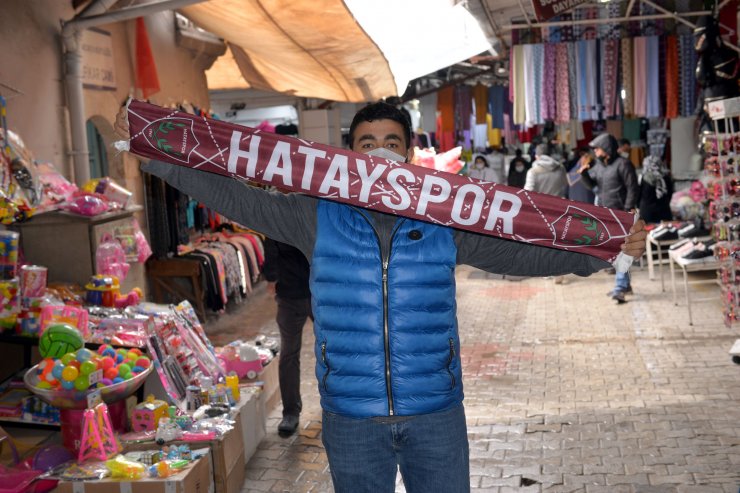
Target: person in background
[481, 170]
[656, 189]
[496, 163]
[287, 271]
[618, 189]
[387, 347]
[576, 189]
[625, 146]
[546, 174]
[518, 168]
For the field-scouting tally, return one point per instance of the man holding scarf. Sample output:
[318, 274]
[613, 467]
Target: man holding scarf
[383, 289]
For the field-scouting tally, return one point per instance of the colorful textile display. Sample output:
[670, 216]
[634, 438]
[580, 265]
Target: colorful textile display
[379, 184]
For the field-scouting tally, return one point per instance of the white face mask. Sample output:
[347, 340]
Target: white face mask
[384, 153]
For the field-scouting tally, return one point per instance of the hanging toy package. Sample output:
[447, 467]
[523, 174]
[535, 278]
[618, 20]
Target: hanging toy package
[110, 258]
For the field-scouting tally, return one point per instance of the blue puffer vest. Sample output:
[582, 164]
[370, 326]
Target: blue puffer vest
[363, 369]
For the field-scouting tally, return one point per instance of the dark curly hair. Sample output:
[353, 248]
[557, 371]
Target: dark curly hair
[380, 111]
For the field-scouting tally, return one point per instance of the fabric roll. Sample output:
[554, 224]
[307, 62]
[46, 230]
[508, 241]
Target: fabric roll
[530, 97]
[497, 105]
[446, 109]
[463, 107]
[562, 83]
[687, 67]
[538, 61]
[640, 75]
[609, 74]
[548, 84]
[519, 115]
[586, 74]
[480, 96]
[672, 96]
[626, 59]
[480, 136]
[572, 80]
[652, 69]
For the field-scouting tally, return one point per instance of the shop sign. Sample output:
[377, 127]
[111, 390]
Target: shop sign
[547, 9]
[98, 69]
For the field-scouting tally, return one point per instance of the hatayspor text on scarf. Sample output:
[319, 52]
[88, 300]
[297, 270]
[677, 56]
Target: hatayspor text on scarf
[375, 183]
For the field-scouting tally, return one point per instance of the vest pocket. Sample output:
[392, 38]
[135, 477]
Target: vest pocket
[449, 362]
[325, 361]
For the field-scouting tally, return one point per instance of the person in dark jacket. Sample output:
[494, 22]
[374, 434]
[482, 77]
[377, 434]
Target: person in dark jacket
[576, 189]
[387, 347]
[656, 189]
[518, 168]
[286, 270]
[617, 181]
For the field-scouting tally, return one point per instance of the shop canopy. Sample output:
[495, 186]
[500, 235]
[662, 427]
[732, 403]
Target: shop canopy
[351, 50]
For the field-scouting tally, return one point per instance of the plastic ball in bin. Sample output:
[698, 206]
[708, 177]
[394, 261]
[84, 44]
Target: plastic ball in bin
[77, 399]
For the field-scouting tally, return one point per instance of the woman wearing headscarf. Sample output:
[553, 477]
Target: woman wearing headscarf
[656, 189]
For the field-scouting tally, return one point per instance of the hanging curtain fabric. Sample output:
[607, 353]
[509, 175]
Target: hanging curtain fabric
[626, 63]
[446, 119]
[548, 83]
[497, 105]
[572, 81]
[480, 96]
[609, 74]
[672, 95]
[538, 59]
[519, 96]
[652, 99]
[586, 73]
[464, 108]
[687, 67]
[530, 98]
[562, 83]
[640, 75]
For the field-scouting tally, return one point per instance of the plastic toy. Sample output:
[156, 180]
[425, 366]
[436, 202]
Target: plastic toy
[65, 314]
[58, 340]
[166, 468]
[121, 467]
[167, 431]
[110, 258]
[241, 359]
[147, 414]
[87, 204]
[104, 290]
[98, 440]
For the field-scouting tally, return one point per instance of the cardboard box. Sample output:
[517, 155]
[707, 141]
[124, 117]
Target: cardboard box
[226, 454]
[197, 478]
[252, 419]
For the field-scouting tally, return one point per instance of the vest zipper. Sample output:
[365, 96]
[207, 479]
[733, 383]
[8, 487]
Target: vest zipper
[449, 362]
[386, 335]
[326, 363]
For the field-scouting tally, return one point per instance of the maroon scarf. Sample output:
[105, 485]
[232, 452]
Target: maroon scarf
[379, 184]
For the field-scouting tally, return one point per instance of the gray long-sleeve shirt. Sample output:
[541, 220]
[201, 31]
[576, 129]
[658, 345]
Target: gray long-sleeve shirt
[292, 218]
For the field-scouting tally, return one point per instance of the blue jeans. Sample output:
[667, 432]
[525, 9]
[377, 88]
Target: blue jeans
[622, 282]
[430, 449]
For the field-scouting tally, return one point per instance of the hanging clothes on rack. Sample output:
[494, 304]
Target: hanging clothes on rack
[562, 84]
[653, 100]
[628, 109]
[672, 94]
[610, 72]
[586, 74]
[518, 86]
[548, 83]
[640, 75]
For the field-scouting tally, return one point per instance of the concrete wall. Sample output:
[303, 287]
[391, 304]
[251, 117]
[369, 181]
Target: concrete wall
[31, 61]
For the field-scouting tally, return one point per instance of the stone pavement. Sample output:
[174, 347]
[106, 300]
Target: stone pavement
[565, 391]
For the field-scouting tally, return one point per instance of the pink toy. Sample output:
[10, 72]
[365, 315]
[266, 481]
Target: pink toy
[147, 414]
[87, 204]
[110, 258]
[242, 359]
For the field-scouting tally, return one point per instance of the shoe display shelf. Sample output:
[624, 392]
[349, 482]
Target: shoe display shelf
[722, 150]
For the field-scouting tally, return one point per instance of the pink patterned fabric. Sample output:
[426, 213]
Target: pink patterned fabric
[609, 60]
[548, 84]
[562, 86]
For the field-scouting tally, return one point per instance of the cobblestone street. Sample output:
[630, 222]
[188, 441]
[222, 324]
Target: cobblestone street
[565, 391]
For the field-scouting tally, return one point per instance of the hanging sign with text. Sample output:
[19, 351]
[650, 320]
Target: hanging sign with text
[547, 9]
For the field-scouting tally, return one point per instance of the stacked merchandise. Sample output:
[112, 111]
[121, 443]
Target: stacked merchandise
[721, 149]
